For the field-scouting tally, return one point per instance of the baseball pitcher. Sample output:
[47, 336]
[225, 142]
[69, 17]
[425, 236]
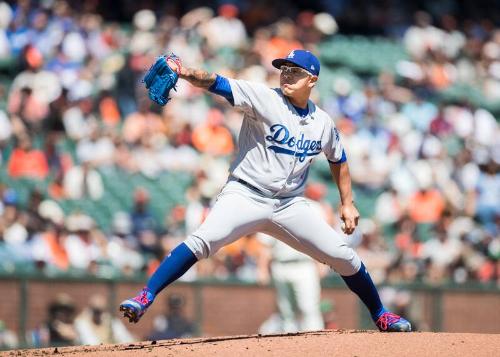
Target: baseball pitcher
[282, 132]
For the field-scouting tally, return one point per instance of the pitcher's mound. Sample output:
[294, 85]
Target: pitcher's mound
[321, 343]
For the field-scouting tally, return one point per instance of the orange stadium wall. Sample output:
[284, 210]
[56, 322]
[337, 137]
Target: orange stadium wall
[235, 309]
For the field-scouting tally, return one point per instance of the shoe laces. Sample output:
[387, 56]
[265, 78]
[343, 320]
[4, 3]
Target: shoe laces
[387, 319]
[142, 298]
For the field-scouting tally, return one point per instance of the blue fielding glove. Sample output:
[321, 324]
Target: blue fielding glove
[160, 79]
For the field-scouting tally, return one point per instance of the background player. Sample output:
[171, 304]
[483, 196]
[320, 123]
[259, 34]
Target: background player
[282, 132]
[296, 277]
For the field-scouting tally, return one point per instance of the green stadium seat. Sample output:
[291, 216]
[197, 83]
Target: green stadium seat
[362, 54]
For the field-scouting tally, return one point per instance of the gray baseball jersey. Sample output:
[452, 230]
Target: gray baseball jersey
[276, 145]
[276, 148]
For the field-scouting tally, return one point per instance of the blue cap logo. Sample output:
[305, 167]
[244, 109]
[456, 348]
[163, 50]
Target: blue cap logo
[301, 58]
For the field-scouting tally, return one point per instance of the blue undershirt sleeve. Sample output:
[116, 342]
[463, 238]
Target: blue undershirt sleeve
[222, 87]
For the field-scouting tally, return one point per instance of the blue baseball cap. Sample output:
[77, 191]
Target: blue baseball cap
[301, 58]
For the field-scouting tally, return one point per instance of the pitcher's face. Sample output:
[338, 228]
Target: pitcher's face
[294, 80]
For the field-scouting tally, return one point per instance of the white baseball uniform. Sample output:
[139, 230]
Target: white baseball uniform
[264, 191]
[297, 282]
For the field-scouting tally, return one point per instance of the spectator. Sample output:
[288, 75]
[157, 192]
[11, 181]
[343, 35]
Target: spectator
[108, 110]
[389, 207]
[80, 245]
[347, 102]
[441, 250]
[59, 162]
[8, 339]
[142, 219]
[123, 157]
[143, 123]
[54, 122]
[33, 89]
[405, 239]
[59, 330]
[78, 119]
[148, 157]
[426, 206]
[26, 161]
[373, 250]
[95, 325]
[453, 40]
[212, 137]
[174, 323]
[175, 222]
[97, 150]
[197, 208]
[122, 247]
[488, 195]
[15, 221]
[34, 220]
[283, 41]
[228, 23]
[420, 113]
[180, 158]
[422, 36]
[28, 110]
[82, 181]
[49, 247]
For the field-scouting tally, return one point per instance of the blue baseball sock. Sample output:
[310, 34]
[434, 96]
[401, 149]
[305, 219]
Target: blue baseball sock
[172, 268]
[361, 283]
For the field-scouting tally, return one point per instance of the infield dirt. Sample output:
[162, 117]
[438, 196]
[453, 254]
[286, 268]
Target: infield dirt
[320, 343]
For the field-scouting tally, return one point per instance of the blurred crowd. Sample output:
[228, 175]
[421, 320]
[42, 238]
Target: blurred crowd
[75, 110]
[66, 321]
[65, 324]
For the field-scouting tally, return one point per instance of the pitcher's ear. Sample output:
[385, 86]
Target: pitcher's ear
[312, 81]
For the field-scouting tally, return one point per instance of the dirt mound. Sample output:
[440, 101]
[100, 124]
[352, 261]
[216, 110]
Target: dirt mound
[321, 343]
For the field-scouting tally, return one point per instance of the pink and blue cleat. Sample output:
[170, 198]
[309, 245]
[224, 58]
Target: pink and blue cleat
[135, 307]
[389, 322]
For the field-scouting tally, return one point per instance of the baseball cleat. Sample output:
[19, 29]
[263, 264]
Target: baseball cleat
[134, 308]
[389, 322]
